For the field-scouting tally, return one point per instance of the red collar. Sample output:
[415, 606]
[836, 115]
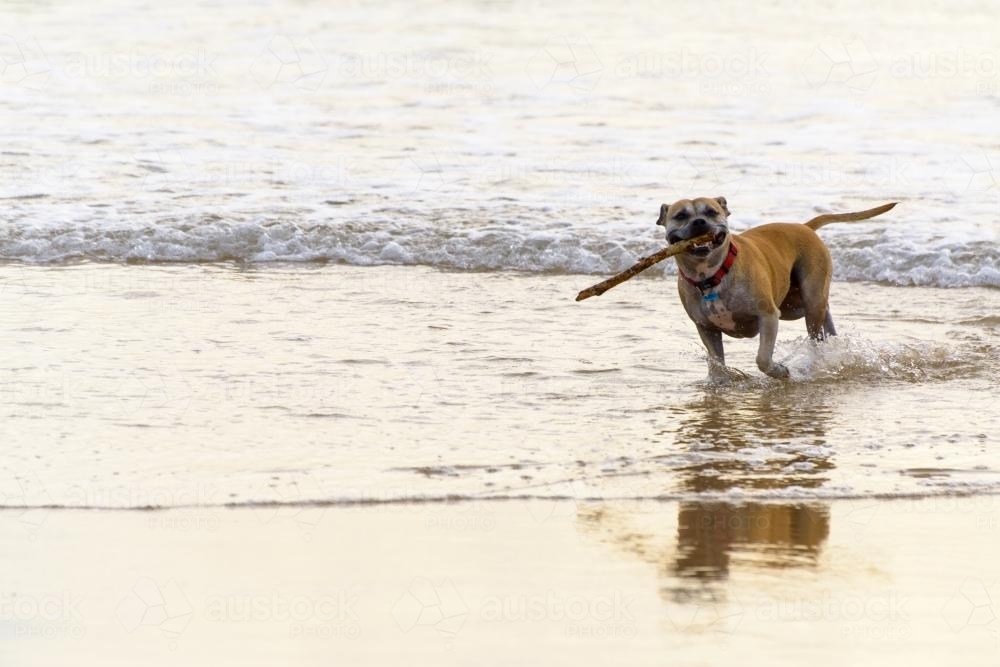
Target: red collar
[714, 280]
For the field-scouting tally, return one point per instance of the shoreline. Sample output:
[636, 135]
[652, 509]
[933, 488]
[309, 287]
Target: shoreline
[457, 500]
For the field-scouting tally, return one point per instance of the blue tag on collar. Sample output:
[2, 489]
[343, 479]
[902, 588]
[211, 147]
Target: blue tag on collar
[710, 296]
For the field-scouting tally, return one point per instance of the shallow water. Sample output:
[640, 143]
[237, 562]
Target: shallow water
[134, 386]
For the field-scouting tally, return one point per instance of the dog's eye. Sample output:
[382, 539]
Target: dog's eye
[683, 215]
[711, 212]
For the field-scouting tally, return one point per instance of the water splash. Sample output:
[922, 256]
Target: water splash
[853, 357]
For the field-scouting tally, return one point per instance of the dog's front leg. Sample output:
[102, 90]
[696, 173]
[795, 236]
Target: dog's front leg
[712, 338]
[765, 352]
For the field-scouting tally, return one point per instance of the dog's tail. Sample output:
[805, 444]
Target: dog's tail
[827, 218]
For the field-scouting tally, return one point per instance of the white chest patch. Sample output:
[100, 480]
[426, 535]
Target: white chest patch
[717, 313]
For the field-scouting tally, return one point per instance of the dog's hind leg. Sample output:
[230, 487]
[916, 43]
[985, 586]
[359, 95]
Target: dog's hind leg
[818, 323]
[828, 327]
[815, 289]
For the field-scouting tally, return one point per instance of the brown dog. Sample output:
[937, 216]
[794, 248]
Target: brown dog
[741, 285]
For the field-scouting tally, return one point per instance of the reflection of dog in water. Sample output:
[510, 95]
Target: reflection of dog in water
[711, 535]
[768, 423]
[772, 535]
[779, 534]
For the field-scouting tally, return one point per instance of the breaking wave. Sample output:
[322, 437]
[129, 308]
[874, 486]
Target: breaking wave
[455, 241]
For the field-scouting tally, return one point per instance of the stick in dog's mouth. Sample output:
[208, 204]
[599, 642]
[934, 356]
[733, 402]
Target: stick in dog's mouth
[643, 264]
[702, 249]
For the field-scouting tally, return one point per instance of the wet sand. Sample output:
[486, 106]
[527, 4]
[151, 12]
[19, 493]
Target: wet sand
[505, 582]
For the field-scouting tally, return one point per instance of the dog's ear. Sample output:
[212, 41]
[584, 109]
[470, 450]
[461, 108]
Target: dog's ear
[662, 220]
[722, 203]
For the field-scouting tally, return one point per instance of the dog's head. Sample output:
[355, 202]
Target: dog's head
[688, 218]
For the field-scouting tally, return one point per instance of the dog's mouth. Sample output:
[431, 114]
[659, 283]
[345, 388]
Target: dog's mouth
[703, 249]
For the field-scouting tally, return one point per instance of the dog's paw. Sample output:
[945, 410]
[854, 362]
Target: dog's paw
[719, 379]
[778, 371]
[723, 376]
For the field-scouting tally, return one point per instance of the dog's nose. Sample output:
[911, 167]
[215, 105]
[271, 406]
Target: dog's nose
[699, 225]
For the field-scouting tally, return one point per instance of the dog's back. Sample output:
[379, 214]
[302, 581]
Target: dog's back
[796, 243]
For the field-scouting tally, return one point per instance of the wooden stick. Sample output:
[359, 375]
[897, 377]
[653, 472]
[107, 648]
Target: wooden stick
[640, 266]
